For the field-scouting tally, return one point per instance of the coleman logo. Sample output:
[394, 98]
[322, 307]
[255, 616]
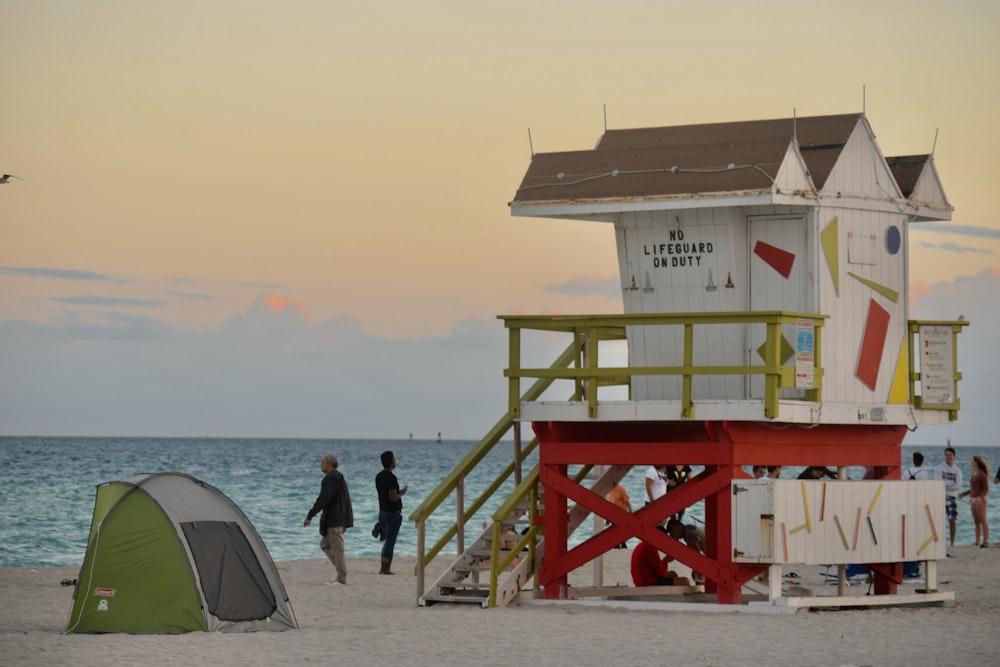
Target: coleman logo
[105, 592]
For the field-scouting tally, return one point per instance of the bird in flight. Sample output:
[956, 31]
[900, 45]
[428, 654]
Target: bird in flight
[6, 178]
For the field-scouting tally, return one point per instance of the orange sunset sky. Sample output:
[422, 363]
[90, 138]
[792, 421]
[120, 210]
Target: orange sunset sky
[186, 168]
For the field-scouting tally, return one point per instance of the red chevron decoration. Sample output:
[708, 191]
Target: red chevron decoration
[778, 259]
[872, 345]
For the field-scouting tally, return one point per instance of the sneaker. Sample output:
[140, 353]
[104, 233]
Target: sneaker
[984, 546]
[334, 582]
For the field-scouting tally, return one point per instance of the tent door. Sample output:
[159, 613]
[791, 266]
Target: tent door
[234, 584]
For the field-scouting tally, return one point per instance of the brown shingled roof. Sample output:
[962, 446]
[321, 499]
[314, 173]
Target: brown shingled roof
[906, 169]
[665, 161]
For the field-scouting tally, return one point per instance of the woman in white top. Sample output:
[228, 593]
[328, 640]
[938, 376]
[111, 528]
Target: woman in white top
[656, 482]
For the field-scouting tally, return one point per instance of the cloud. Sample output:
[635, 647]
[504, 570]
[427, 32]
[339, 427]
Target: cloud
[109, 301]
[951, 247]
[274, 371]
[583, 286]
[973, 297]
[192, 296]
[271, 371]
[61, 274]
[959, 230]
[279, 303]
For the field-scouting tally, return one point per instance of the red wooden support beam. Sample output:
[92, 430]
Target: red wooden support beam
[723, 448]
[887, 577]
[556, 535]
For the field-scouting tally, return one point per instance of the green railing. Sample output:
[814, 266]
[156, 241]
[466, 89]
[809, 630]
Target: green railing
[589, 330]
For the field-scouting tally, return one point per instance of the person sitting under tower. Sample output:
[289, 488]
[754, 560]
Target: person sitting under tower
[649, 569]
[691, 535]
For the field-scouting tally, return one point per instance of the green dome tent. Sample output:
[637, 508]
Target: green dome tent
[168, 553]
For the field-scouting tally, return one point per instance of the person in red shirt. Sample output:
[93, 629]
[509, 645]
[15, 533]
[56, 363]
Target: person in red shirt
[649, 569]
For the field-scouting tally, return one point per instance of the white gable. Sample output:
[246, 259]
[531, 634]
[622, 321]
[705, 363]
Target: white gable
[928, 195]
[793, 176]
[861, 170]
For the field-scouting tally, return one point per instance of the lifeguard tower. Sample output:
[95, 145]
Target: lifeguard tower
[763, 269]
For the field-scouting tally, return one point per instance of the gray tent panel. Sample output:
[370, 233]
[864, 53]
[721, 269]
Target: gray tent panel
[235, 586]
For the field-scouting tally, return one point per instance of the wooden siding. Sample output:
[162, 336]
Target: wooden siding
[667, 281]
[838, 522]
[844, 331]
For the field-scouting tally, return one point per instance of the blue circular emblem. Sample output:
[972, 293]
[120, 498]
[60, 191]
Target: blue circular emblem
[892, 239]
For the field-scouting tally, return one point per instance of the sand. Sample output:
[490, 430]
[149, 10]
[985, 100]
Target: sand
[375, 620]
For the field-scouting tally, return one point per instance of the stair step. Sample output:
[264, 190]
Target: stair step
[470, 568]
[459, 586]
[485, 552]
[460, 599]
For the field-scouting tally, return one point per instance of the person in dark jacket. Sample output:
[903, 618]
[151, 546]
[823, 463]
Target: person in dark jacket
[337, 516]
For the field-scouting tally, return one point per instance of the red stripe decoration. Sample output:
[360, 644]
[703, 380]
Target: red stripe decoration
[872, 345]
[778, 259]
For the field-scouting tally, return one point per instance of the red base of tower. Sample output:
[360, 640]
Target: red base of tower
[723, 448]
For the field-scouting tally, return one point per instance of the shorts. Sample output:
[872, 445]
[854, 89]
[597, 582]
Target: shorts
[951, 507]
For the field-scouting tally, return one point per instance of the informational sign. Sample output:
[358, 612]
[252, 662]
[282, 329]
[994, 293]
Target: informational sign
[805, 355]
[937, 365]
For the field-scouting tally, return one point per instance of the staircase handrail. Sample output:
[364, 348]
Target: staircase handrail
[454, 480]
[528, 486]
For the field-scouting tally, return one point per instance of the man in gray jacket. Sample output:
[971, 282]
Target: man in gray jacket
[334, 502]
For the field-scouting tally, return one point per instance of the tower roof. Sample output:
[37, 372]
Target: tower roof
[687, 159]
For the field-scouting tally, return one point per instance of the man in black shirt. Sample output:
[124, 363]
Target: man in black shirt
[390, 507]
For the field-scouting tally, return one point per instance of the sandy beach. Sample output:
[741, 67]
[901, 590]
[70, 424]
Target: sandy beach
[375, 620]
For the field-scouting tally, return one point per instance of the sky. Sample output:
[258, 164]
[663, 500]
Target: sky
[271, 219]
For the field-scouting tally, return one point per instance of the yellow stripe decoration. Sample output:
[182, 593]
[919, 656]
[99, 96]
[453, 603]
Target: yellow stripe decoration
[843, 538]
[899, 393]
[925, 545]
[871, 508]
[798, 529]
[930, 517]
[830, 240]
[887, 292]
[805, 503]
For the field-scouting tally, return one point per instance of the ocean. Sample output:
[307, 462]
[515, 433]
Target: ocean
[47, 487]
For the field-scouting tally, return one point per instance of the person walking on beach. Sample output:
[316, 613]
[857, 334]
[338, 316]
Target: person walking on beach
[916, 472]
[334, 501]
[979, 487]
[390, 507]
[951, 474]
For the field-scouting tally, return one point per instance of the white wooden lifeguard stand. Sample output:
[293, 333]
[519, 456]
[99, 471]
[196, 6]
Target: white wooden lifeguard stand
[763, 269]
